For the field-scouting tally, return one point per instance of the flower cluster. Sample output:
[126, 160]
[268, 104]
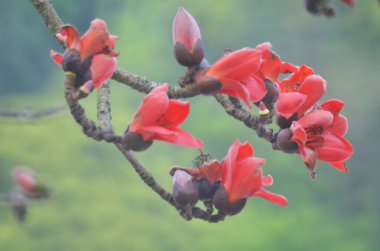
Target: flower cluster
[256, 76]
[227, 184]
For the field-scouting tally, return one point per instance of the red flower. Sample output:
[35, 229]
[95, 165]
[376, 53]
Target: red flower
[91, 56]
[237, 73]
[242, 175]
[158, 118]
[188, 46]
[25, 178]
[299, 92]
[319, 135]
[349, 2]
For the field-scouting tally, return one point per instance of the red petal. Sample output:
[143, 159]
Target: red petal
[267, 181]
[244, 151]
[297, 77]
[183, 138]
[341, 166]
[185, 29]
[151, 108]
[238, 65]
[299, 133]
[175, 114]
[256, 89]
[314, 88]
[102, 68]
[157, 133]
[335, 148]
[57, 57]
[276, 199]
[288, 68]
[349, 2]
[95, 40]
[71, 35]
[334, 106]
[246, 179]
[271, 66]
[339, 125]
[289, 103]
[229, 163]
[212, 171]
[316, 118]
[235, 89]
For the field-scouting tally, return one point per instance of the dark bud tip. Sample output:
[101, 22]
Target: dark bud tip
[135, 142]
[272, 93]
[222, 203]
[71, 62]
[207, 85]
[185, 190]
[206, 189]
[313, 6]
[283, 122]
[189, 58]
[284, 141]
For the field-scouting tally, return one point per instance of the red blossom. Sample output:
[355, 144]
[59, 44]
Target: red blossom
[300, 91]
[95, 46]
[320, 135]
[25, 179]
[158, 118]
[238, 75]
[242, 175]
[349, 2]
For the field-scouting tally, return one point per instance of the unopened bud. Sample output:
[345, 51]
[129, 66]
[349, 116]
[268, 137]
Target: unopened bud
[207, 85]
[188, 46]
[32, 186]
[263, 110]
[284, 141]
[272, 93]
[206, 189]
[283, 122]
[222, 203]
[185, 190]
[135, 141]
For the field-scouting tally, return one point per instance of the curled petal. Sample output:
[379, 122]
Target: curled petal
[102, 68]
[316, 118]
[339, 125]
[334, 106]
[289, 103]
[276, 199]
[314, 87]
[299, 133]
[71, 36]
[238, 65]
[151, 108]
[271, 66]
[175, 114]
[340, 166]
[235, 89]
[256, 88]
[288, 68]
[309, 157]
[335, 148]
[57, 57]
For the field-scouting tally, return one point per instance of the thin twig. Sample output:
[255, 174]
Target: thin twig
[27, 115]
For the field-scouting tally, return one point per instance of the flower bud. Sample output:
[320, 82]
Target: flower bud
[284, 141]
[31, 186]
[185, 190]
[263, 110]
[283, 122]
[272, 93]
[207, 85]
[206, 189]
[222, 203]
[71, 62]
[135, 141]
[188, 46]
[18, 205]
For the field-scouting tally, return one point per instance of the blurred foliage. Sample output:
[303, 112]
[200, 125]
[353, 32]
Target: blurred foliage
[99, 202]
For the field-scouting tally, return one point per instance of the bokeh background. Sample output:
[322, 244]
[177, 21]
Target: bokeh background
[99, 203]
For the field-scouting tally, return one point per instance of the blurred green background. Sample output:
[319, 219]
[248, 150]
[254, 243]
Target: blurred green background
[99, 203]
